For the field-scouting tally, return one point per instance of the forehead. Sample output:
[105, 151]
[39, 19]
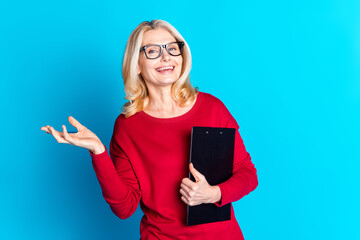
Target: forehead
[157, 36]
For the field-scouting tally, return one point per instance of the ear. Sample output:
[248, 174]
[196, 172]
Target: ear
[138, 69]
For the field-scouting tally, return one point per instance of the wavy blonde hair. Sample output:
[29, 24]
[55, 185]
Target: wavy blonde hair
[135, 88]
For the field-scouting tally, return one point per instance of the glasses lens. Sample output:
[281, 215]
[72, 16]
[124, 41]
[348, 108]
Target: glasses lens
[153, 51]
[175, 49]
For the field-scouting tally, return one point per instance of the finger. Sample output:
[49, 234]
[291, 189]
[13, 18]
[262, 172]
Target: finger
[189, 202]
[45, 129]
[48, 128]
[57, 135]
[76, 124]
[184, 193]
[187, 190]
[190, 184]
[197, 175]
[185, 200]
[66, 134]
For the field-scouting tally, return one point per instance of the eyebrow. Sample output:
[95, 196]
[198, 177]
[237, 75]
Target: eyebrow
[158, 43]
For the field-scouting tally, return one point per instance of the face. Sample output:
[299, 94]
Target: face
[152, 69]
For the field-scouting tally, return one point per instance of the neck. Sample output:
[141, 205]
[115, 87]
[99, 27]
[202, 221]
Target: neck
[160, 101]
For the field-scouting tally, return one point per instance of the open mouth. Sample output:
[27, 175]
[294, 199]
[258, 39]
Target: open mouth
[167, 69]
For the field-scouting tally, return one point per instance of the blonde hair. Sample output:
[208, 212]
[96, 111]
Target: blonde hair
[135, 88]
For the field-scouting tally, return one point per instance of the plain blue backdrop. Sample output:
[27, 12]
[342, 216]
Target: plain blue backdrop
[287, 70]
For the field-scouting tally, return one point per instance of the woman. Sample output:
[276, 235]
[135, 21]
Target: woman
[150, 145]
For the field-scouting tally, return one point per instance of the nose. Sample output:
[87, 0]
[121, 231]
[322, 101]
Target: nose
[165, 55]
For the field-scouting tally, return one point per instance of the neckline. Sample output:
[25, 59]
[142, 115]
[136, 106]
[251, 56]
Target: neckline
[177, 118]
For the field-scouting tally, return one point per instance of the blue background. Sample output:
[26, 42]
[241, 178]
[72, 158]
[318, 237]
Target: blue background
[289, 72]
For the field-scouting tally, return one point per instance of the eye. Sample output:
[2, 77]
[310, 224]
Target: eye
[174, 48]
[152, 51]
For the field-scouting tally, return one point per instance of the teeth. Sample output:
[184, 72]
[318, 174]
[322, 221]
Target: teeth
[164, 68]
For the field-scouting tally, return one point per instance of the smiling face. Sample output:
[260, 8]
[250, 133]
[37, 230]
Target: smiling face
[164, 70]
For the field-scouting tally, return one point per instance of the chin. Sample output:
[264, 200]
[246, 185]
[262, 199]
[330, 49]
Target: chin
[162, 81]
[167, 83]
[168, 80]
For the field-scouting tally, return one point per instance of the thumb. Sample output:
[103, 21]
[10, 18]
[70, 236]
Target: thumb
[197, 175]
[76, 124]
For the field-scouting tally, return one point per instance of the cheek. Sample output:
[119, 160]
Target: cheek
[180, 65]
[145, 67]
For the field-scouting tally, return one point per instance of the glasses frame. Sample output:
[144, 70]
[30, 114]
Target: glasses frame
[181, 44]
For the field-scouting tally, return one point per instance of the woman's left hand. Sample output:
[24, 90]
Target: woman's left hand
[195, 193]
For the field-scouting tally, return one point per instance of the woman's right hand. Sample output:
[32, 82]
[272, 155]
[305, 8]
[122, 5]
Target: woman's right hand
[83, 138]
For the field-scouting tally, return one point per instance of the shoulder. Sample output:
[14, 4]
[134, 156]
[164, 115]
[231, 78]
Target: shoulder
[209, 98]
[123, 124]
[212, 102]
[216, 107]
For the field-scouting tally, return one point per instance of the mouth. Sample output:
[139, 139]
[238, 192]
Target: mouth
[166, 70]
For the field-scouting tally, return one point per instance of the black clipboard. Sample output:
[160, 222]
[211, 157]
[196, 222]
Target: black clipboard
[212, 154]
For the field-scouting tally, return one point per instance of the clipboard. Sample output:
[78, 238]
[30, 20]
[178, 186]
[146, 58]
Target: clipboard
[212, 154]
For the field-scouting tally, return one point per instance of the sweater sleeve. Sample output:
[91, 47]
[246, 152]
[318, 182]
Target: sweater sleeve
[117, 179]
[244, 179]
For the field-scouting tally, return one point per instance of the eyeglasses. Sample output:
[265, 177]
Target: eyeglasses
[154, 51]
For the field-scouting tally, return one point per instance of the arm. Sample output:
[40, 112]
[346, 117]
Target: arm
[242, 182]
[244, 179]
[116, 176]
[117, 179]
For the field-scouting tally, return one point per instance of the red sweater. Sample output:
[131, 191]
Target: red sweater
[150, 157]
